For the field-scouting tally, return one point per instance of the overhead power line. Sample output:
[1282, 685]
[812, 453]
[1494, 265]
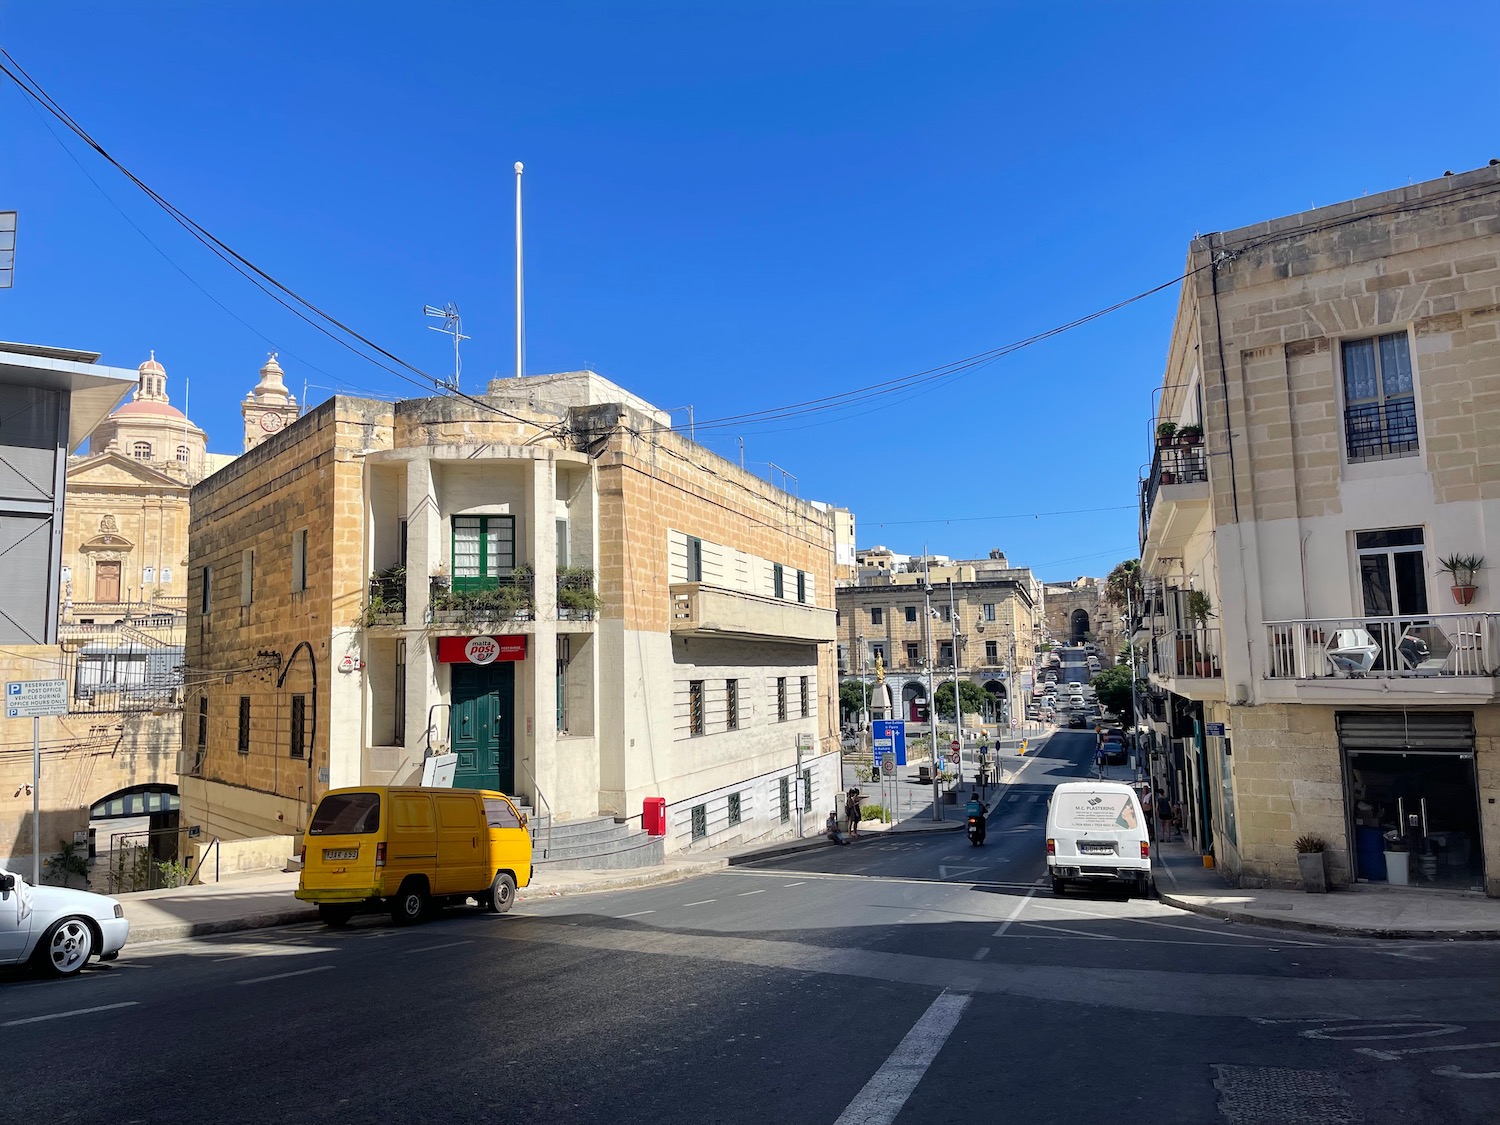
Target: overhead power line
[283, 295]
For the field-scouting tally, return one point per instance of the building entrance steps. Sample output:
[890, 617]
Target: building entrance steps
[594, 843]
[1364, 909]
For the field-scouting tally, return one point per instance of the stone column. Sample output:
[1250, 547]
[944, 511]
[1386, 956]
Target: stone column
[537, 753]
[424, 551]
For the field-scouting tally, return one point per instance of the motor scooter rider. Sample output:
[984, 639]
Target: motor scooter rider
[975, 808]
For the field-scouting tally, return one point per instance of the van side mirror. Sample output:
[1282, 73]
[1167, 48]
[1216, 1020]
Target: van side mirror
[7, 883]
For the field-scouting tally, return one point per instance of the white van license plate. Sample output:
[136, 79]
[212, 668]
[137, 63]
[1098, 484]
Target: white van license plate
[1091, 849]
[340, 853]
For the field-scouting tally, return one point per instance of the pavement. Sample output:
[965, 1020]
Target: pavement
[1364, 909]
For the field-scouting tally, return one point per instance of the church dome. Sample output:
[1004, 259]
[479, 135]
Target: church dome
[146, 408]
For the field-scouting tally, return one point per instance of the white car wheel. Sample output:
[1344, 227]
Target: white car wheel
[66, 948]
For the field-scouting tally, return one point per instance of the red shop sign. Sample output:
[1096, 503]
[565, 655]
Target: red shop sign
[480, 650]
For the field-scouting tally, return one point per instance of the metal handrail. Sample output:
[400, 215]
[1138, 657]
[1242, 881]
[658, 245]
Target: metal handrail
[541, 797]
[213, 846]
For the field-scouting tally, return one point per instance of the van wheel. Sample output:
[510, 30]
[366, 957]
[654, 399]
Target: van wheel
[502, 894]
[335, 915]
[1058, 887]
[410, 904]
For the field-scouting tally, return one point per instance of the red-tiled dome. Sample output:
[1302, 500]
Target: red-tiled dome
[144, 408]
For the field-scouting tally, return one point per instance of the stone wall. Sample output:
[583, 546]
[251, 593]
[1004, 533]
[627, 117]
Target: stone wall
[310, 477]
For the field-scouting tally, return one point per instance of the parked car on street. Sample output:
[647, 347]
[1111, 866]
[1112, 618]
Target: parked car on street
[1115, 753]
[57, 929]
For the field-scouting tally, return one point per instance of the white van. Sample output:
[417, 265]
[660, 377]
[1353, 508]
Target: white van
[1096, 833]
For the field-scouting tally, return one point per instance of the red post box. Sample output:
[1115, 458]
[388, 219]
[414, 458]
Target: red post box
[654, 816]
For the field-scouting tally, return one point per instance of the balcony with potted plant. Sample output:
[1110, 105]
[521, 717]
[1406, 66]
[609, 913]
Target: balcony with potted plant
[577, 599]
[385, 603]
[1462, 568]
[483, 603]
[1175, 493]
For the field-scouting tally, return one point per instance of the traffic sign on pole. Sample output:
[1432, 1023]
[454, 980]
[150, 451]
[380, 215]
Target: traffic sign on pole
[31, 699]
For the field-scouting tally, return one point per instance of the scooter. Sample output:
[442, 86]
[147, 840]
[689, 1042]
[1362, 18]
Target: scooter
[976, 830]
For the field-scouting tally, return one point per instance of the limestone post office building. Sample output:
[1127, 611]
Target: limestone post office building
[586, 607]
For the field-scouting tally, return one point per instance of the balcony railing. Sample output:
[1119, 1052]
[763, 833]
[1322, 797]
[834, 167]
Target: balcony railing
[1171, 464]
[494, 602]
[1377, 431]
[1434, 644]
[1188, 654]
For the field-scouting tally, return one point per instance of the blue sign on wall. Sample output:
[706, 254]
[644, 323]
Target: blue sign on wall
[1214, 730]
[889, 736]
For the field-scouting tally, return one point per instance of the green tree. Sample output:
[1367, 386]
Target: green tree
[1113, 688]
[973, 696]
[1123, 586]
[852, 696]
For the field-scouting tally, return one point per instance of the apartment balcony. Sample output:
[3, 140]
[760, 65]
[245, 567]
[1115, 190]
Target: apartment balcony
[1443, 659]
[697, 608]
[482, 605]
[1174, 501]
[1188, 662]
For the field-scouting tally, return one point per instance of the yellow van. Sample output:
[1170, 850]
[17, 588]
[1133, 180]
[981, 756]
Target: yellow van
[412, 849]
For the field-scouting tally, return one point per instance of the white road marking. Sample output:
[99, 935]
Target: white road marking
[1396, 1052]
[445, 945]
[1076, 933]
[74, 1012]
[953, 872]
[982, 954]
[743, 894]
[1416, 1030]
[701, 902]
[1016, 913]
[1455, 1072]
[1279, 942]
[272, 951]
[283, 976]
[882, 1097]
[636, 914]
[803, 884]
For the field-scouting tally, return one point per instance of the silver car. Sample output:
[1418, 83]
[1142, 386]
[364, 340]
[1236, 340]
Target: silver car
[57, 929]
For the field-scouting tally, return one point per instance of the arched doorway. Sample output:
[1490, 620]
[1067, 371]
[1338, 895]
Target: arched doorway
[143, 816]
[914, 702]
[1078, 625]
[995, 703]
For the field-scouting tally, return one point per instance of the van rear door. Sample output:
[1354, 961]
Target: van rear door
[1101, 826]
[341, 846]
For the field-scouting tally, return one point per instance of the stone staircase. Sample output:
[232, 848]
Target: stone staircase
[596, 843]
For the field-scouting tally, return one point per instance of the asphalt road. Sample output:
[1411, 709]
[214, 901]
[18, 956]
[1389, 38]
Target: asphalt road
[909, 979]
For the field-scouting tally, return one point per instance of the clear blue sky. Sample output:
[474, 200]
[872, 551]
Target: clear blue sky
[732, 205]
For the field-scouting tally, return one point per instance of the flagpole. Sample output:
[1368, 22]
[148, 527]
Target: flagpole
[520, 290]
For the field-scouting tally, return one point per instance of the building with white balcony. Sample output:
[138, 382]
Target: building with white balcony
[586, 608]
[1327, 457]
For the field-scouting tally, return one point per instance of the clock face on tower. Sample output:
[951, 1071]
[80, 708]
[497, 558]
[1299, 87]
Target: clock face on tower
[271, 422]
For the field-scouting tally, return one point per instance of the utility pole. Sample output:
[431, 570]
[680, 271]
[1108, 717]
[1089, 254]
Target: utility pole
[937, 785]
[958, 710]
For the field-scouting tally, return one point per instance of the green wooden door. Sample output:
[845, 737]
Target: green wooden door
[482, 726]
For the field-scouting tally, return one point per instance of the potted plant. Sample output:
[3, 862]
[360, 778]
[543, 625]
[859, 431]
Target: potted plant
[1164, 433]
[1190, 435]
[1200, 607]
[576, 597]
[1312, 863]
[1397, 859]
[1462, 567]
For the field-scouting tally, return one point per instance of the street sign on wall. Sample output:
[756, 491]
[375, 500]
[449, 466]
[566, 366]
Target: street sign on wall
[30, 699]
[1214, 730]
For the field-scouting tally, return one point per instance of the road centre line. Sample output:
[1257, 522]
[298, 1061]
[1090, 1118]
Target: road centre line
[444, 945]
[636, 914]
[742, 894]
[283, 976]
[74, 1012]
[1016, 913]
[880, 1100]
[701, 902]
[802, 884]
[281, 949]
[981, 954]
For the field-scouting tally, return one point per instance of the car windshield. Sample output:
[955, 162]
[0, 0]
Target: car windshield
[346, 814]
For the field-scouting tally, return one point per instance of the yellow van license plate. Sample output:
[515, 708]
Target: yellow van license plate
[340, 853]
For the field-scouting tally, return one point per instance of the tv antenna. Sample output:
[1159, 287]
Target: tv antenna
[452, 326]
